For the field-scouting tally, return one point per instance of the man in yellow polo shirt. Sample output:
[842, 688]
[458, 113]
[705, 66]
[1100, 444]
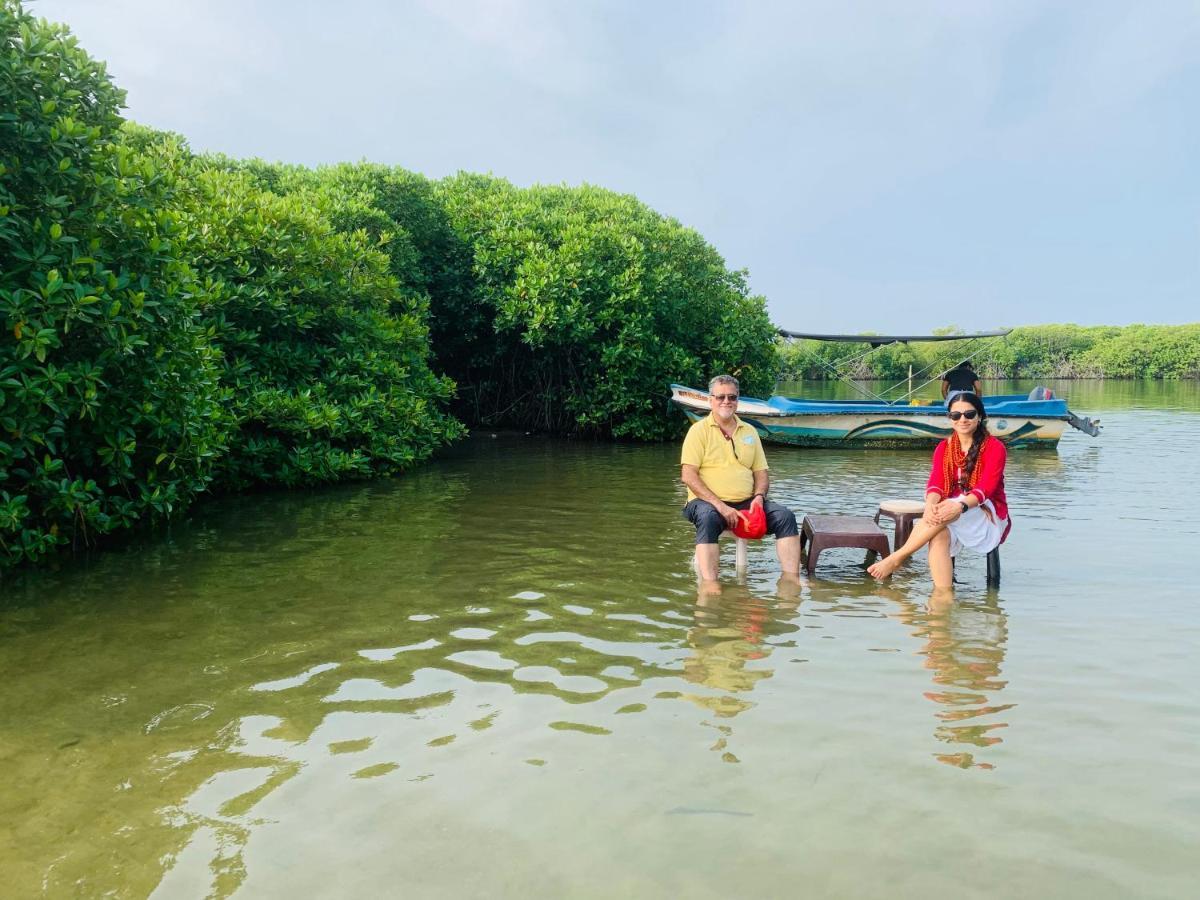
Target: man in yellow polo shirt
[725, 470]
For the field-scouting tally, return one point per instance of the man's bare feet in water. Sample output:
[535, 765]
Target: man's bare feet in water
[884, 567]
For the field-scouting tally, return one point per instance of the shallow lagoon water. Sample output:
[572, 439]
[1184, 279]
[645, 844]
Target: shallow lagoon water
[494, 677]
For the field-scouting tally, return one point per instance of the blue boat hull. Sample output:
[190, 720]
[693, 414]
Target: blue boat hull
[1016, 420]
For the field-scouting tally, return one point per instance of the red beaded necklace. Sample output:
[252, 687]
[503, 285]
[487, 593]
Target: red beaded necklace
[954, 460]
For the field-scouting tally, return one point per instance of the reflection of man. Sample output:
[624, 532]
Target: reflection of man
[727, 637]
[725, 470]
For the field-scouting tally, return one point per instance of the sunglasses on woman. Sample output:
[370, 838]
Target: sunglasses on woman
[969, 414]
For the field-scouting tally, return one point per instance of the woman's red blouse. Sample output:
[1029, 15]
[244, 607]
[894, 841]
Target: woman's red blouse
[989, 486]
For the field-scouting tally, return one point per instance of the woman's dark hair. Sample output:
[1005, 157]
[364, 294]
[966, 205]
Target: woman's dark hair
[981, 432]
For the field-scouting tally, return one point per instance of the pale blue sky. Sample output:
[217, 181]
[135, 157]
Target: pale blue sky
[876, 166]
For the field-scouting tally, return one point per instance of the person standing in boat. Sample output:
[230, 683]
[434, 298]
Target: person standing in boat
[725, 471]
[965, 506]
[961, 378]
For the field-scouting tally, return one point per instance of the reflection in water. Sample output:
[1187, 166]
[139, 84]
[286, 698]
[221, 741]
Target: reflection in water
[290, 690]
[729, 635]
[965, 642]
[387, 711]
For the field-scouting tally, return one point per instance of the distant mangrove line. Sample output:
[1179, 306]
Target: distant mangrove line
[176, 324]
[1035, 351]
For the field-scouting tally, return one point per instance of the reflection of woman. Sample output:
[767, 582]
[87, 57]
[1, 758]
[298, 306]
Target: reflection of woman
[965, 648]
[965, 506]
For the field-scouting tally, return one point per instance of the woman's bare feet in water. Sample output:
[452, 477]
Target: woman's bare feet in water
[884, 567]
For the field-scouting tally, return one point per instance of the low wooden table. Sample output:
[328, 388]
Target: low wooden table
[823, 532]
[903, 513]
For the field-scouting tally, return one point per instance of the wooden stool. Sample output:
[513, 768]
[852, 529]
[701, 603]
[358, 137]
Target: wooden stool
[741, 553]
[824, 532]
[903, 513]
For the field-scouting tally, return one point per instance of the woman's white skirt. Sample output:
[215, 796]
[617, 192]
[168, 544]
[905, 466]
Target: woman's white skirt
[979, 530]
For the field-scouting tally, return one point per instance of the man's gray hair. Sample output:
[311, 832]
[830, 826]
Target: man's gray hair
[724, 379]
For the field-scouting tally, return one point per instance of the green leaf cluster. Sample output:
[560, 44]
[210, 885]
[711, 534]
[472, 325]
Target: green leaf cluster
[586, 304]
[110, 402]
[1146, 351]
[402, 214]
[552, 308]
[325, 347]
[172, 326]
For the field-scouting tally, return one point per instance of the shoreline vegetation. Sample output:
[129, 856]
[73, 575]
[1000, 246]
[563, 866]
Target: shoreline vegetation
[178, 325]
[1032, 351]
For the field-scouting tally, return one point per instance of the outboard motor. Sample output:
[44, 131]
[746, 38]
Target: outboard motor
[1083, 423]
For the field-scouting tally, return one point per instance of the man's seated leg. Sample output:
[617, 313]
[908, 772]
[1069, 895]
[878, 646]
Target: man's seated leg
[781, 522]
[709, 525]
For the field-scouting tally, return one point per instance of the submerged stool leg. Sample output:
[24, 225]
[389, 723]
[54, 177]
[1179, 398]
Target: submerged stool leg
[741, 555]
[993, 568]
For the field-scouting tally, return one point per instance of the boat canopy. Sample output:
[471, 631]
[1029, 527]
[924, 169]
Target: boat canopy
[840, 367]
[879, 340]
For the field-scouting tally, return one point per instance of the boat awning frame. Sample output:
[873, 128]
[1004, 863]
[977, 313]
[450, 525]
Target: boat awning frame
[880, 340]
[876, 341]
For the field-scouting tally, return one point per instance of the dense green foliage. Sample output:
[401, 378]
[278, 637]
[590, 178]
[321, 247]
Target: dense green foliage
[324, 350]
[1036, 351]
[110, 410]
[587, 304]
[401, 211]
[553, 308]
[169, 324]
[177, 323]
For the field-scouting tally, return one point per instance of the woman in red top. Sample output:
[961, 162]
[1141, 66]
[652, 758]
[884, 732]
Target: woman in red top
[965, 506]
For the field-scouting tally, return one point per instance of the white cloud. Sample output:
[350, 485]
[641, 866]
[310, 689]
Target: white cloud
[935, 147]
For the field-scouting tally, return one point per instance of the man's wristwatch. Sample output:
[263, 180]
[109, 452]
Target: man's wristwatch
[963, 504]
[760, 494]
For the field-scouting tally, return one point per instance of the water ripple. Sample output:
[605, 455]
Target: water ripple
[280, 700]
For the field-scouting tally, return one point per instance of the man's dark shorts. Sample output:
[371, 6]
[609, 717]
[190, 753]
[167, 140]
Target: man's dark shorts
[709, 523]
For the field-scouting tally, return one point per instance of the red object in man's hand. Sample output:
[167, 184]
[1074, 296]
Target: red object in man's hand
[752, 523]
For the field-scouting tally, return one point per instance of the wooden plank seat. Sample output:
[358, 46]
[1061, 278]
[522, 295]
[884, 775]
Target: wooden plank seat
[903, 513]
[820, 533]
